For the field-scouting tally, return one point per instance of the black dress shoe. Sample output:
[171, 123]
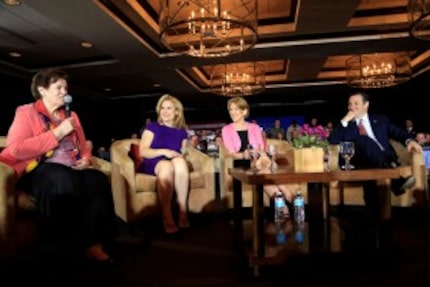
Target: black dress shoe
[390, 164]
[399, 185]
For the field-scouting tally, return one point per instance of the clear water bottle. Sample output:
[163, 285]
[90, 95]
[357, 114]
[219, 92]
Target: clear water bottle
[279, 204]
[300, 232]
[280, 236]
[299, 208]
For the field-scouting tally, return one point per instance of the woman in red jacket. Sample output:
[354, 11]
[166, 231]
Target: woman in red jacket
[48, 153]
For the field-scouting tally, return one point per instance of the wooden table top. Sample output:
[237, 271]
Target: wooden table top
[287, 174]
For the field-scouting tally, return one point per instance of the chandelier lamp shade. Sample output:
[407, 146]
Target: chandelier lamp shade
[377, 70]
[240, 79]
[419, 19]
[208, 28]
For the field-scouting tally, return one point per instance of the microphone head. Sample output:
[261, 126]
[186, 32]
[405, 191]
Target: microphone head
[68, 99]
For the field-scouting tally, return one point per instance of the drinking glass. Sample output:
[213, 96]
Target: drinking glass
[253, 154]
[346, 151]
[272, 152]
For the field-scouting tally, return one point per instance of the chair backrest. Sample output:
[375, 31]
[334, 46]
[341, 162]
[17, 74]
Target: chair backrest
[282, 148]
[402, 153]
[3, 141]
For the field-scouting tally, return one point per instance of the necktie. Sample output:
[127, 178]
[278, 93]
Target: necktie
[361, 129]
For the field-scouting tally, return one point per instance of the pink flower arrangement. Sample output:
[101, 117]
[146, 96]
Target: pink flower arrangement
[312, 137]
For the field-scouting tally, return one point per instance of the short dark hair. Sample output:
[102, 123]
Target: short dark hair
[363, 95]
[44, 78]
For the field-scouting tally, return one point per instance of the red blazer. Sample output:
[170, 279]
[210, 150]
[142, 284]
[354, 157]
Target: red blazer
[29, 137]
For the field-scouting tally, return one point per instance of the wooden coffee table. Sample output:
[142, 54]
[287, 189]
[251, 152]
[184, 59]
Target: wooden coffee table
[316, 194]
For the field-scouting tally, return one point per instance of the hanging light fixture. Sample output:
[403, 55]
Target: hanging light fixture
[12, 2]
[419, 19]
[240, 79]
[208, 28]
[377, 70]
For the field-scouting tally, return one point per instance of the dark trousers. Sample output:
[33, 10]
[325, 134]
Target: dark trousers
[75, 206]
[369, 155]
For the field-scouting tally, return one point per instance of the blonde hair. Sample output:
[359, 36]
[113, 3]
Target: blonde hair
[179, 121]
[241, 103]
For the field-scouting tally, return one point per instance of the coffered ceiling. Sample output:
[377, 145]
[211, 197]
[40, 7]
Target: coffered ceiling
[303, 45]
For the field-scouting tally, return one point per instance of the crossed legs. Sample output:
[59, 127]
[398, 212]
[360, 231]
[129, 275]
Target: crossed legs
[173, 175]
[271, 190]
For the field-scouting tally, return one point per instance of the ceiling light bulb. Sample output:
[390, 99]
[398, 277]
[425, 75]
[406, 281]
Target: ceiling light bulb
[86, 45]
[12, 2]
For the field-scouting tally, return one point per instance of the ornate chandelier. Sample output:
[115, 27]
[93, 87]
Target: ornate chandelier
[238, 79]
[419, 19]
[377, 71]
[208, 28]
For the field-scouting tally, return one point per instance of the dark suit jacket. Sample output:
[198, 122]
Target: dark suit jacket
[383, 129]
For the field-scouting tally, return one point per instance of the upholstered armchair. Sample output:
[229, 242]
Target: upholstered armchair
[18, 227]
[226, 182]
[410, 163]
[135, 194]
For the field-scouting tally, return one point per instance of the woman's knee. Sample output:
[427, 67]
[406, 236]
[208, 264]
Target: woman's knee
[180, 166]
[164, 169]
[56, 179]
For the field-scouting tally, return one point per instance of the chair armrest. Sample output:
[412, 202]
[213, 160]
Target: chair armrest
[102, 165]
[200, 162]
[225, 162]
[7, 200]
[122, 164]
[419, 170]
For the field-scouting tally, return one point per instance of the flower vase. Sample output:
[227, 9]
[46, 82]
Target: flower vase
[309, 159]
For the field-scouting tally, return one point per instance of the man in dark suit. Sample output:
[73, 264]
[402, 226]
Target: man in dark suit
[371, 134]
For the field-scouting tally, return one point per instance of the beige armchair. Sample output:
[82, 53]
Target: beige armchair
[18, 227]
[135, 193]
[226, 182]
[410, 163]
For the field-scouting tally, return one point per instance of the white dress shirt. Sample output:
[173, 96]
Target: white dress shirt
[366, 124]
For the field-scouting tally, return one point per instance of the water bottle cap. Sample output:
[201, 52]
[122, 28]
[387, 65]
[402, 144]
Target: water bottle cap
[300, 237]
[281, 238]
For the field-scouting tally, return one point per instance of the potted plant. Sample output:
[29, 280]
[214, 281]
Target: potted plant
[310, 147]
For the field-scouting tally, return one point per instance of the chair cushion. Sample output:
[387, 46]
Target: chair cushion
[134, 154]
[146, 182]
[197, 180]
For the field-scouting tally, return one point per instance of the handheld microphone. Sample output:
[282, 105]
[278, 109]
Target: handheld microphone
[67, 101]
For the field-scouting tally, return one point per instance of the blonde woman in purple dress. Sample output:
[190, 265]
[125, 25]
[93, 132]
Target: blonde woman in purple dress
[160, 146]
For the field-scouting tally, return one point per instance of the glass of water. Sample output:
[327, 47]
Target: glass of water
[347, 151]
[272, 152]
[254, 155]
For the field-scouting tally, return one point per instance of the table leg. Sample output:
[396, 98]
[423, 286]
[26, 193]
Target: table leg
[257, 225]
[326, 200]
[385, 201]
[383, 226]
[237, 212]
[315, 217]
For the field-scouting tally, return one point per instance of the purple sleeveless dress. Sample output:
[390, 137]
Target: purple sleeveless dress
[164, 137]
